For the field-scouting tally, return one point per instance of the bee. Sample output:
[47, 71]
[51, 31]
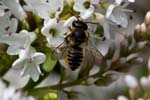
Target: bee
[78, 46]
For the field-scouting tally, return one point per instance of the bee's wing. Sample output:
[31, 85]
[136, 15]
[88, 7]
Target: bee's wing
[59, 52]
[94, 53]
[92, 57]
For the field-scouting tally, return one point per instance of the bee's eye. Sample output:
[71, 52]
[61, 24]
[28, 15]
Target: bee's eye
[80, 25]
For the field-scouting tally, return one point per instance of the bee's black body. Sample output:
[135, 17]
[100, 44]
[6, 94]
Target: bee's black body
[74, 40]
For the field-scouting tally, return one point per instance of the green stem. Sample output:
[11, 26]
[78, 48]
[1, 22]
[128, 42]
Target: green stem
[59, 86]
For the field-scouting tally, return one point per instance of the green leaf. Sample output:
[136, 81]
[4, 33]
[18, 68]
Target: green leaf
[37, 19]
[5, 62]
[49, 63]
[25, 24]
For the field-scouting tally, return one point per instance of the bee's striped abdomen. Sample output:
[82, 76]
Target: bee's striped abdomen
[74, 57]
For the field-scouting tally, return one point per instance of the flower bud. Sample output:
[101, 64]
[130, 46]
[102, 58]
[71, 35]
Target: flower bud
[145, 83]
[137, 28]
[147, 18]
[122, 98]
[143, 28]
[131, 81]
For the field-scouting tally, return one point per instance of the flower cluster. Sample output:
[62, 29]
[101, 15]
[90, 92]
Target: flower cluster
[11, 93]
[19, 43]
[32, 30]
[137, 90]
[57, 16]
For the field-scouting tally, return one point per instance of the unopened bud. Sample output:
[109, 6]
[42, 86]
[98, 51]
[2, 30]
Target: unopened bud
[122, 98]
[137, 28]
[131, 81]
[147, 18]
[145, 83]
[143, 28]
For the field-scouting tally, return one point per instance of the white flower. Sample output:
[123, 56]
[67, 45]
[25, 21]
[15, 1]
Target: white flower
[104, 22]
[2, 8]
[7, 25]
[115, 12]
[145, 82]
[10, 93]
[84, 7]
[1, 12]
[95, 1]
[49, 9]
[15, 8]
[30, 62]
[18, 41]
[131, 81]
[122, 98]
[69, 21]
[54, 31]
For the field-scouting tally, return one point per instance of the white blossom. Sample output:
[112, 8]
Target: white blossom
[18, 41]
[10, 93]
[1, 12]
[69, 21]
[7, 25]
[49, 9]
[131, 81]
[54, 31]
[2, 8]
[80, 6]
[15, 8]
[145, 82]
[95, 1]
[30, 61]
[122, 98]
[147, 18]
[116, 12]
[104, 22]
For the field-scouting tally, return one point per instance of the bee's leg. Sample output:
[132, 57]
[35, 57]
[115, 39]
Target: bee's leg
[70, 28]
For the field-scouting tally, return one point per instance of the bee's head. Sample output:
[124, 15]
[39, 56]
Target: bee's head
[80, 25]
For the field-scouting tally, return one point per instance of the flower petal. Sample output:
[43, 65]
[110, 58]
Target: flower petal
[44, 9]
[9, 39]
[110, 10]
[78, 6]
[15, 8]
[119, 17]
[13, 49]
[19, 63]
[1, 12]
[95, 1]
[87, 13]
[59, 28]
[14, 25]
[32, 69]
[118, 2]
[69, 21]
[39, 57]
